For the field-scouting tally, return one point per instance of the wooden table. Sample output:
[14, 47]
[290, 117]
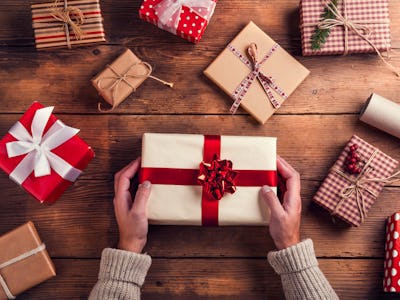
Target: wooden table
[193, 262]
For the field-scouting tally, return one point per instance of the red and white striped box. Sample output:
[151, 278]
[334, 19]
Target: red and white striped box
[391, 280]
[191, 16]
[339, 191]
[374, 14]
[53, 33]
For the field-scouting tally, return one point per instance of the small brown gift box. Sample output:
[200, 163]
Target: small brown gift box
[235, 73]
[119, 79]
[350, 196]
[24, 261]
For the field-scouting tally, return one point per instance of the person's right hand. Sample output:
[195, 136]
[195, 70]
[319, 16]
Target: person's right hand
[284, 225]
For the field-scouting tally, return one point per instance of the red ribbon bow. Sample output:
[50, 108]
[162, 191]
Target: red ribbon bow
[217, 177]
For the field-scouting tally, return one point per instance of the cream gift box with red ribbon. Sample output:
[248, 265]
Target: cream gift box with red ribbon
[190, 172]
[42, 154]
[185, 18]
[256, 73]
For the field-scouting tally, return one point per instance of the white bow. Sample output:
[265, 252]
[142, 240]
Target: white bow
[38, 148]
[168, 11]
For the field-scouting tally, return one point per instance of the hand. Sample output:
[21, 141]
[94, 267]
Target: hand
[131, 217]
[284, 224]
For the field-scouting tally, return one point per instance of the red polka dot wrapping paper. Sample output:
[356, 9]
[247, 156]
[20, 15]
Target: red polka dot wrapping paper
[372, 13]
[329, 193]
[191, 24]
[391, 280]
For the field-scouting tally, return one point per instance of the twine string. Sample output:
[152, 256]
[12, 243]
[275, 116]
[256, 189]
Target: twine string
[71, 17]
[359, 184]
[123, 77]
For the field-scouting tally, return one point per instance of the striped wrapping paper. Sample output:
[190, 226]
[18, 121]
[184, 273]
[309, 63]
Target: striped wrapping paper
[50, 33]
[368, 11]
[329, 193]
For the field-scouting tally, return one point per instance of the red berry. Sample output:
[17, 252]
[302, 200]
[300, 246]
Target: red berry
[355, 146]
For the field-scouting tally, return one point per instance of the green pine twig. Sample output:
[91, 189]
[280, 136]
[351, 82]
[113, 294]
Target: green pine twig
[320, 36]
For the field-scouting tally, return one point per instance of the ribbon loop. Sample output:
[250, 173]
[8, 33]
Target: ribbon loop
[37, 148]
[267, 82]
[169, 11]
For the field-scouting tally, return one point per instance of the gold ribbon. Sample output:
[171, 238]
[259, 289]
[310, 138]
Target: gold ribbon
[70, 16]
[360, 28]
[358, 185]
[123, 77]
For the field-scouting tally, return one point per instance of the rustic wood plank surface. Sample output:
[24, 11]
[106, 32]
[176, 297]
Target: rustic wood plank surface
[194, 262]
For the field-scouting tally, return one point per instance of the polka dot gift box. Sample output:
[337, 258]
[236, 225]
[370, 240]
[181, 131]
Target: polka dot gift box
[185, 18]
[391, 281]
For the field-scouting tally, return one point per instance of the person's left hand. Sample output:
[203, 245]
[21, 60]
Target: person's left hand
[131, 216]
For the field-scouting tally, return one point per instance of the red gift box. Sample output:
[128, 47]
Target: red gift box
[42, 154]
[185, 18]
[391, 281]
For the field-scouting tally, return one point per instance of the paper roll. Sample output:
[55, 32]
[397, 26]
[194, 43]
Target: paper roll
[382, 114]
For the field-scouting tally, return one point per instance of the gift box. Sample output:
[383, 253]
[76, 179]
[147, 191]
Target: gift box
[67, 23]
[207, 180]
[256, 72]
[121, 78]
[355, 181]
[391, 281]
[323, 31]
[42, 154]
[185, 18]
[24, 261]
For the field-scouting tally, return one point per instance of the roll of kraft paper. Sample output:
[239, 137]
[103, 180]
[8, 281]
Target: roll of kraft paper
[382, 114]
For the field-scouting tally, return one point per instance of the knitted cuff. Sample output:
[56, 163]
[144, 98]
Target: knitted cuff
[293, 259]
[124, 266]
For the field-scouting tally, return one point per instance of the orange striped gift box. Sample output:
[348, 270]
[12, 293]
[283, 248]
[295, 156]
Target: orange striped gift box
[67, 23]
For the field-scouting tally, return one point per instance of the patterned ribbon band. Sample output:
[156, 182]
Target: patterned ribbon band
[267, 82]
[169, 11]
[357, 186]
[360, 28]
[13, 261]
[37, 148]
[123, 77]
[209, 206]
[67, 23]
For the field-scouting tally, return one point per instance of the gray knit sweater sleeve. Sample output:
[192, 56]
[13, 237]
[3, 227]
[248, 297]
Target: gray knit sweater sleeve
[121, 275]
[301, 277]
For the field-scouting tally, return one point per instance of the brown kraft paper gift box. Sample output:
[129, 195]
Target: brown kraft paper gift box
[121, 78]
[22, 275]
[228, 71]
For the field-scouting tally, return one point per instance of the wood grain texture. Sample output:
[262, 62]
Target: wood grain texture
[215, 279]
[194, 262]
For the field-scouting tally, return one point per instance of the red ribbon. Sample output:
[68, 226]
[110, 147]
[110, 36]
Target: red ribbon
[209, 206]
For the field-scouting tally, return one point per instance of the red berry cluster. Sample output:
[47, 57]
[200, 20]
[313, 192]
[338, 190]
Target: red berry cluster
[353, 160]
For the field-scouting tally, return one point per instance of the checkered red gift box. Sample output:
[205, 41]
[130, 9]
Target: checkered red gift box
[350, 196]
[374, 14]
[391, 281]
[185, 18]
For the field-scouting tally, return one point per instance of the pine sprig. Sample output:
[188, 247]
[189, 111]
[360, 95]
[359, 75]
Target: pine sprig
[320, 36]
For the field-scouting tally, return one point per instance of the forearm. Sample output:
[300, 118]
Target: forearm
[301, 277]
[121, 275]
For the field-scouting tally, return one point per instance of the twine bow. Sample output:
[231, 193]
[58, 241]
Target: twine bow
[358, 27]
[71, 17]
[359, 185]
[123, 78]
[217, 177]
[13, 261]
[267, 82]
